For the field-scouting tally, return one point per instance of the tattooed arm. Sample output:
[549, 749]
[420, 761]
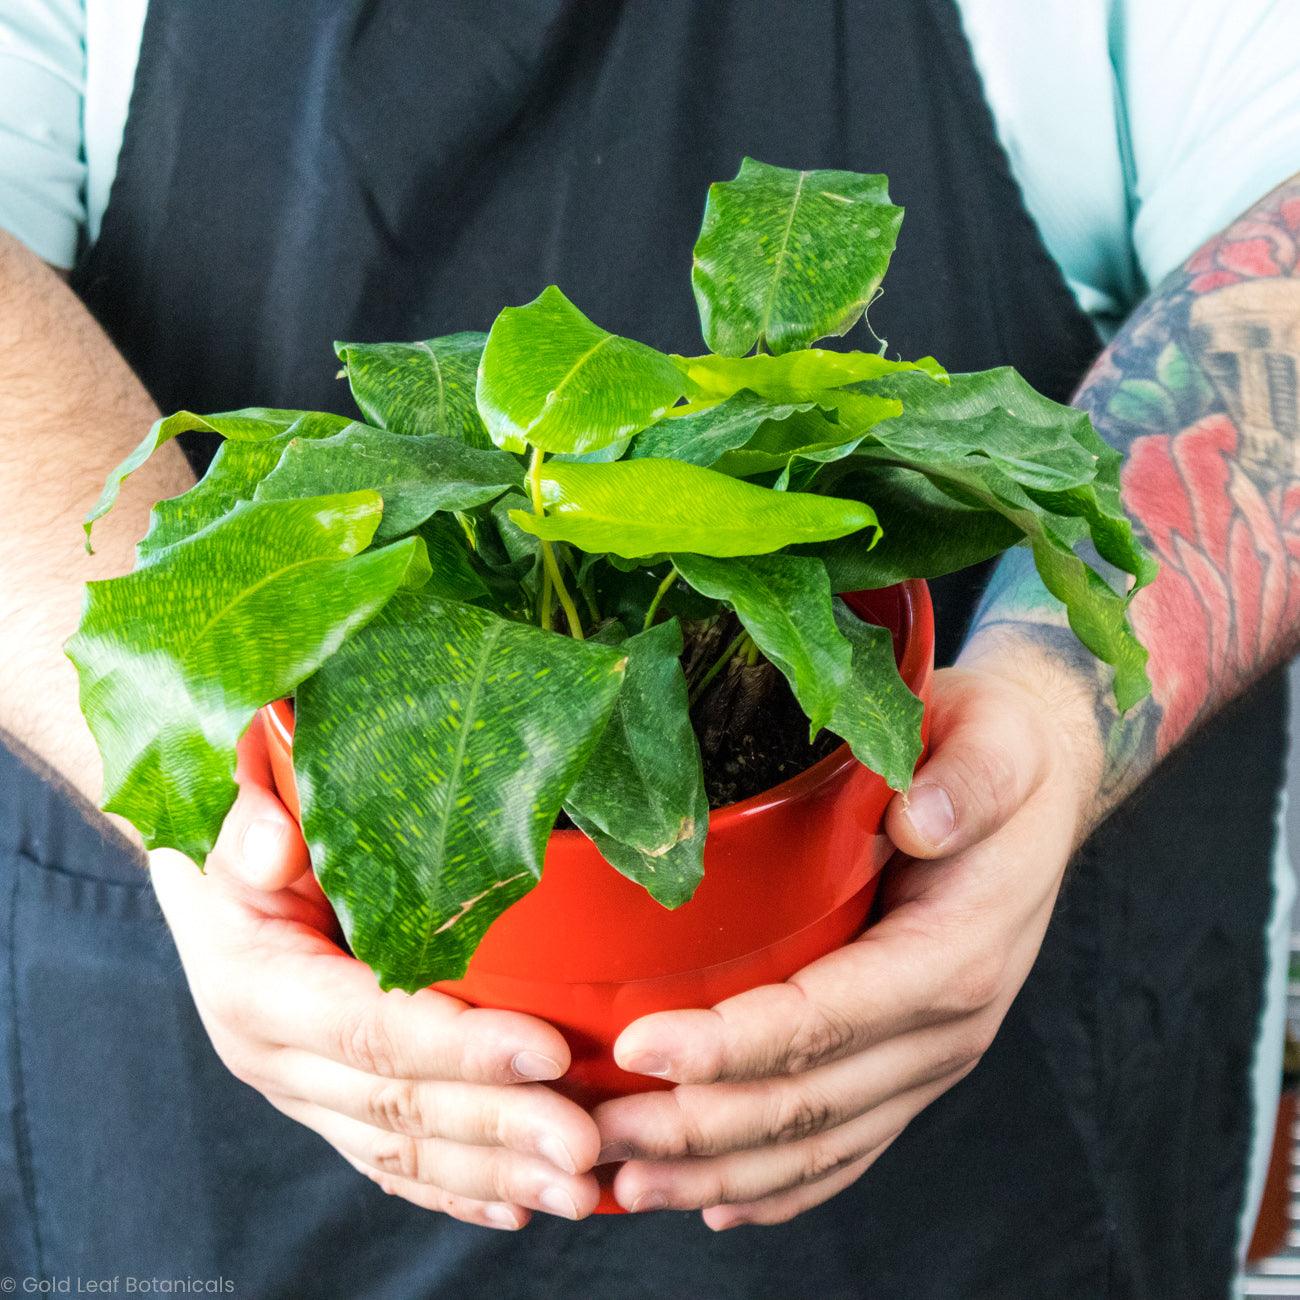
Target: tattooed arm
[1200, 391]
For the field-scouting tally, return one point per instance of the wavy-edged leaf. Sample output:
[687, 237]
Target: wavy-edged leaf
[416, 474]
[796, 376]
[784, 601]
[236, 470]
[641, 797]
[1097, 614]
[876, 714]
[422, 387]
[788, 257]
[925, 533]
[175, 659]
[254, 424]
[807, 435]
[551, 378]
[452, 575]
[643, 507]
[432, 754]
[995, 413]
[702, 437]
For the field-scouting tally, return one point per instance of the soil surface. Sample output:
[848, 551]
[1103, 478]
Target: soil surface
[753, 734]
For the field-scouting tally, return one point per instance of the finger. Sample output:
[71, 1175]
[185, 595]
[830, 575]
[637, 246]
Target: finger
[894, 979]
[326, 1004]
[784, 1206]
[485, 1214]
[260, 843]
[713, 1119]
[529, 1118]
[746, 1176]
[988, 752]
[490, 1174]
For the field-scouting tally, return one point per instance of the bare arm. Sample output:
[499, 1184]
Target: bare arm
[1200, 391]
[71, 409]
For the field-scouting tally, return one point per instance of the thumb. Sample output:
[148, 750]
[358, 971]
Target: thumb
[260, 844]
[988, 752]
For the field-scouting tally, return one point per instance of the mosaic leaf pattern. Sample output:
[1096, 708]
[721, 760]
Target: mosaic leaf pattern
[420, 388]
[788, 257]
[641, 797]
[553, 379]
[432, 753]
[176, 658]
[416, 474]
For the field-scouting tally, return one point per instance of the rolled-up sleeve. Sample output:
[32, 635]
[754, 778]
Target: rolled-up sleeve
[42, 88]
[1211, 99]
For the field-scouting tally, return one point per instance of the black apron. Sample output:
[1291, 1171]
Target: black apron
[402, 168]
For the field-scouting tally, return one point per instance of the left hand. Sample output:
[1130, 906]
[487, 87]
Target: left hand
[787, 1093]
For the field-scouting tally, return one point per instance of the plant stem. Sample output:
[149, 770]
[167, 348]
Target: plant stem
[658, 596]
[722, 661]
[553, 579]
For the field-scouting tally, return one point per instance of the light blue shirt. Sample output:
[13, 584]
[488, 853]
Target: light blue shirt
[1136, 128]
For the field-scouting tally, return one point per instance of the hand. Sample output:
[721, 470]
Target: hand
[437, 1102]
[788, 1093]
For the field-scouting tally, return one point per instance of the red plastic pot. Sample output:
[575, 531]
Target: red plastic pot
[789, 876]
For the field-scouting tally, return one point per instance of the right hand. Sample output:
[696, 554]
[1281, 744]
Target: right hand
[438, 1102]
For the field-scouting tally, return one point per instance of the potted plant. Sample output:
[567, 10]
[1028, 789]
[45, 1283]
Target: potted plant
[675, 604]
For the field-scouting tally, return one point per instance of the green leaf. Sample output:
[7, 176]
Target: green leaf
[175, 659]
[641, 797]
[994, 414]
[876, 714]
[704, 436]
[925, 533]
[807, 435]
[451, 573]
[784, 601]
[416, 474]
[553, 379]
[233, 476]
[796, 376]
[787, 257]
[421, 388]
[432, 754]
[255, 424]
[641, 507]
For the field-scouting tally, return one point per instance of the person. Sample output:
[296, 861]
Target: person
[996, 1091]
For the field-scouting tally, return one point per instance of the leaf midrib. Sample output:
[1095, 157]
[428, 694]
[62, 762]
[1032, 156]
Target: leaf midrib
[442, 387]
[781, 255]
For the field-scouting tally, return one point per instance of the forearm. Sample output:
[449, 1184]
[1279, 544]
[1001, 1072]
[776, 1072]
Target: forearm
[71, 410]
[1199, 390]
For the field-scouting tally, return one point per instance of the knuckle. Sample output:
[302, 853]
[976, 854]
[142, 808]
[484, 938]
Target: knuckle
[396, 1105]
[823, 1161]
[364, 1042]
[689, 1135]
[799, 1115]
[975, 985]
[821, 1036]
[398, 1155]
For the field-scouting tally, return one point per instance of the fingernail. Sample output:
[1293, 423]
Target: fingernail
[533, 1065]
[549, 1147]
[501, 1216]
[649, 1201]
[263, 842]
[653, 1063]
[930, 810]
[723, 1224]
[614, 1153]
[558, 1201]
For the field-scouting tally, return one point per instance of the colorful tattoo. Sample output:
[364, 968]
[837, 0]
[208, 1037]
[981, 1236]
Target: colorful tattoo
[1200, 390]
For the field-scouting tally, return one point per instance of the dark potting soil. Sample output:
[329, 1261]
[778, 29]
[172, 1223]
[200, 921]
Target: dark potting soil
[753, 734]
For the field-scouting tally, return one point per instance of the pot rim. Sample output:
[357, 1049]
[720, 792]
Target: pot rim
[917, 630]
